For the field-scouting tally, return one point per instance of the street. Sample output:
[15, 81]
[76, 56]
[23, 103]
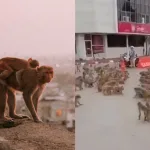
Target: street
[111, 122]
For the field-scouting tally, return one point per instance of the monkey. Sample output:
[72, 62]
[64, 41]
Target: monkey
[144, 73]
[10, 64]
[79, 82]
[88, 81]
[145, 110]
[146, 86]
[139, 92]
[121, 81]
[111, 83]
[146, 94]
[33, 81]
[107, 89]
[118, 89]
[78, 67]
[77, 102]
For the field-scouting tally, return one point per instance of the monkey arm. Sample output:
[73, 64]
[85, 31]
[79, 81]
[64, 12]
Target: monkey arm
[27, 95]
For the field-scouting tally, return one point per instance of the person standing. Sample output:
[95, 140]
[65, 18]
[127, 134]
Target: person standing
[132, 56]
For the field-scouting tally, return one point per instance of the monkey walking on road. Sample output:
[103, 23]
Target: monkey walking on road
[145, 109]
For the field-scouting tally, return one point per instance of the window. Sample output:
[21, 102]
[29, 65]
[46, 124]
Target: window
[88, 48]
[116, 40]
[133, 9]
[87, 37]
[93, 44]
[136, 40]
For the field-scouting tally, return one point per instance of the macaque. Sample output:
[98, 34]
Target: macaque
[145, 110]
[8, 65]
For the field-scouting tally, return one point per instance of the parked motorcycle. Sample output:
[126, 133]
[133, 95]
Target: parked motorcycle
[127, 60]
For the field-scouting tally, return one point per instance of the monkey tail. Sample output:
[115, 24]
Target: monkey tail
[139, 104]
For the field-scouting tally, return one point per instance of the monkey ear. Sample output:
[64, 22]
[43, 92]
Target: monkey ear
[30, 59]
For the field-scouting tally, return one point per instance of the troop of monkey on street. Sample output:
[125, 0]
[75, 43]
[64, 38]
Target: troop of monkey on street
[26, 76]
[143, 92]
[110, 81]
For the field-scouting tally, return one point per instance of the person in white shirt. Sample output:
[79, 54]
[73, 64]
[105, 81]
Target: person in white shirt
[132, 56]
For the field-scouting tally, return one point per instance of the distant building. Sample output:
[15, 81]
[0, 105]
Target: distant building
[106, 28]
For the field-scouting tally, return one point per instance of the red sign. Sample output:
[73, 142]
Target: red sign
[144, 62]
[129, 27]
[123, 66]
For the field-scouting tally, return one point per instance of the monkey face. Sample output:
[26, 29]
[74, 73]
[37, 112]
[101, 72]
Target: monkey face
[46, 73]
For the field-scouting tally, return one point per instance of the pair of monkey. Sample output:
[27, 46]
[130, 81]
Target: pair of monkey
[32, 78]
[8, 66]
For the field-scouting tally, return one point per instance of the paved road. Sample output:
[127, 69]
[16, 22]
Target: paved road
[111, 122]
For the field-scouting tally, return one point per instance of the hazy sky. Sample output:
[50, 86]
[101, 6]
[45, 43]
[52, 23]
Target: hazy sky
[37, 27]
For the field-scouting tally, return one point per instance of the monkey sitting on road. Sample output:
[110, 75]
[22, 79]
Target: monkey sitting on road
[79, 82]
[107, 89]
[118, 89]
[77, 102]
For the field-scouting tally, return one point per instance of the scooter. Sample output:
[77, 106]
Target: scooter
[127, 61]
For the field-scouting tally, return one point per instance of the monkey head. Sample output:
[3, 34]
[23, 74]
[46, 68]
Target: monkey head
[33, 63]
[77, 96]
[45, 74]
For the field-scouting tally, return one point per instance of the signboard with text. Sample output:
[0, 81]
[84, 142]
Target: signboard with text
[128, 27]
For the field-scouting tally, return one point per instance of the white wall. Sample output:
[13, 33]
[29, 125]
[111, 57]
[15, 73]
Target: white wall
[96, 16]
[109, 52]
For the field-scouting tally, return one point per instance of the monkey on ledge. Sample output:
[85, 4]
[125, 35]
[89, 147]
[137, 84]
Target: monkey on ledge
[27, 77]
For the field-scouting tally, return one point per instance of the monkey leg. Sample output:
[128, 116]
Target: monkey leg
[145, 116]
[3, 100]
[12, 106]
[27, 95]
[139, 114]
[81, 87]
[35, 98]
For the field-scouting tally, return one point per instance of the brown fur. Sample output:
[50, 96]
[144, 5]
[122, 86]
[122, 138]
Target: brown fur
[79, 82]
[107, 89]
[111, 83]
[146, 95]
[139, 92]
[145, 110]
[10, 64]
[33, 81]
[118, 89]
[146, 86]
[77, 102]
[18, 64]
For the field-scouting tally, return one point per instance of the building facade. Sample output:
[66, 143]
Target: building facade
[106, 28]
